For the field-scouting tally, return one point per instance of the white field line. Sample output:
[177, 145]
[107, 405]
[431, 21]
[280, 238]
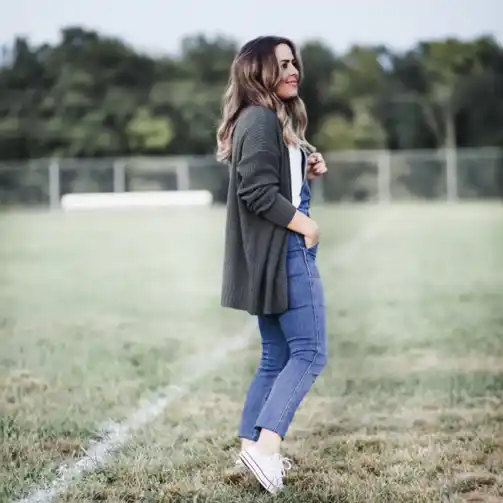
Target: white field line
[117, 434]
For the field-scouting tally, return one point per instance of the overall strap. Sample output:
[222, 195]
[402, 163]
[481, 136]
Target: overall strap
[304, 164]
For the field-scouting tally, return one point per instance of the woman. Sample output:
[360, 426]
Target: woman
[271, 243]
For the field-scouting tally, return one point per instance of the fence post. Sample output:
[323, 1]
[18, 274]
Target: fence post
[54, 184]
[384, 176]
[451, 173]
[182, 175]
[119, 168]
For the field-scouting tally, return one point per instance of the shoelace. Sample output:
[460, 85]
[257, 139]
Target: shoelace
[285, 463]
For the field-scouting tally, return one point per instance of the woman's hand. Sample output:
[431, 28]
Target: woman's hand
[311, 241]
[315, 166]
[312, 236]
[307, 227]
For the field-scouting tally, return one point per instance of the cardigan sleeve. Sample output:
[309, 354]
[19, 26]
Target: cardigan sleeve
[258, 168]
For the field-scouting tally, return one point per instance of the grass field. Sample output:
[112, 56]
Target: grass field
[97, 311]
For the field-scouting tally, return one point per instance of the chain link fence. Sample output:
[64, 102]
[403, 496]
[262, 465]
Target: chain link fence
[358, 176]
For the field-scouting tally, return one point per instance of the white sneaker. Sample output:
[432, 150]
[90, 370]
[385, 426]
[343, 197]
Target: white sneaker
[239, 466]
[268, 470]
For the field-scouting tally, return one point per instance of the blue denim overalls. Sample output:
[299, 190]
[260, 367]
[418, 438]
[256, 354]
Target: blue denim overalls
[296, 240]
[294, 343]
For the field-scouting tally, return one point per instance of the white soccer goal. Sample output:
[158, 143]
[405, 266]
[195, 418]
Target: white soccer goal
[130, 200]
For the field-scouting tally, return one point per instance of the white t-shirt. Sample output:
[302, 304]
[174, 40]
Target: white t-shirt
[295, 173]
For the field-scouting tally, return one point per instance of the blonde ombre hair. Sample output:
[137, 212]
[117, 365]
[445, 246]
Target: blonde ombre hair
[254, 76]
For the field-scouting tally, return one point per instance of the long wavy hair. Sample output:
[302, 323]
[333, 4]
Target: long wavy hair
[254, 76]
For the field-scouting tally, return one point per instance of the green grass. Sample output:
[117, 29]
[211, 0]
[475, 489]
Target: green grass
[97, 310]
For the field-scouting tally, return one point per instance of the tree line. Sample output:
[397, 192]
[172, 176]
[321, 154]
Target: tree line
[91, 95]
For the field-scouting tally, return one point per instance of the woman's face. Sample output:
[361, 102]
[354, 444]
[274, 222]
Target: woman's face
[288, 86]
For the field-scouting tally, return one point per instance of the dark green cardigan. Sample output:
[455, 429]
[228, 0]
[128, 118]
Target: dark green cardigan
[259, 208]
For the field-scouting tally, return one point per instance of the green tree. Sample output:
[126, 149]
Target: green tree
[149, 134]
[91, 95]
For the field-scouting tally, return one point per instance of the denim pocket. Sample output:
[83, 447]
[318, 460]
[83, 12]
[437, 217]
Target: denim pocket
[310, 258]
[311, 253]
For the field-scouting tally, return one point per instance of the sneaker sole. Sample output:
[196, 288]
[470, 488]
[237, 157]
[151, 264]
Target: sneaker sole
[250, 463]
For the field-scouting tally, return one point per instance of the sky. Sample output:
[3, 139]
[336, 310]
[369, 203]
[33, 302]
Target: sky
[157, 26]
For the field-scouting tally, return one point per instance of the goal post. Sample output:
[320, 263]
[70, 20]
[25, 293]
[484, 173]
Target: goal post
[134, 200]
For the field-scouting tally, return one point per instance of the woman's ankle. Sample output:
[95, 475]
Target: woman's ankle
[269, 442]
[246, 442]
